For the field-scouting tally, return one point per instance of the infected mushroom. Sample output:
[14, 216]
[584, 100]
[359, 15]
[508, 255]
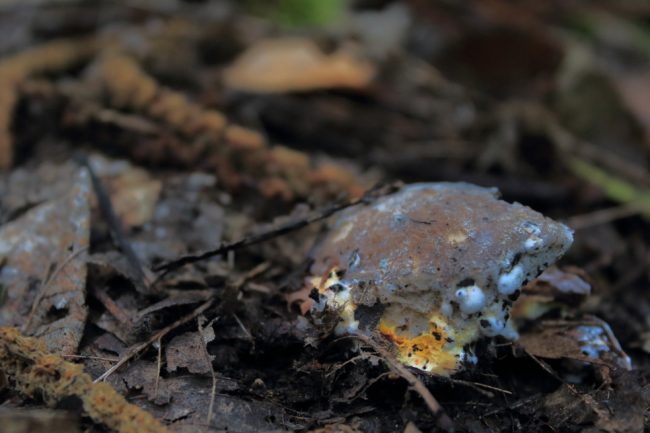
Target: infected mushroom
[432, 268]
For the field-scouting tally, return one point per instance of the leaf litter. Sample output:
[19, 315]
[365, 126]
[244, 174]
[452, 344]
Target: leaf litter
[44, 268]
[193, 168]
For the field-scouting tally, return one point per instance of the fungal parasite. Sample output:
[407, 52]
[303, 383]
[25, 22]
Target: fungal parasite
[432, 268]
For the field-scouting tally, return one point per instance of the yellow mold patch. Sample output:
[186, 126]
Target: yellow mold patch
[425, 351]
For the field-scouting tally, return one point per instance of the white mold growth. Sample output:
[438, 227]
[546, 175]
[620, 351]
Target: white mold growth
[471, 299]
[511, 281]
[533, 243]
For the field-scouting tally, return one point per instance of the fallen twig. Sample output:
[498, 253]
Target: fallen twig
[290, 226]
[114, 224]
[478, 386]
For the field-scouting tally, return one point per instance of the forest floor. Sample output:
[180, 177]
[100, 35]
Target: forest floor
[135, 133]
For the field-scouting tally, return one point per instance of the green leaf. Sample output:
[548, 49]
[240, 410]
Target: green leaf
[300, 13]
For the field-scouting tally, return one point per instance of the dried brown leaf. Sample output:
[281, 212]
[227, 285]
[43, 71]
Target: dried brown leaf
[186, 351]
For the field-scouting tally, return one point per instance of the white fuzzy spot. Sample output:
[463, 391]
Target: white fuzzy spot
[471, 299]
[319, 306]
[511, 281]
[498, 324]
[533, 243]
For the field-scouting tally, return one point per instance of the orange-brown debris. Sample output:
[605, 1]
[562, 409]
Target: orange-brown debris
[296, 64]
[240, 155]
[51, 57]
[33, 371]
[129, 87]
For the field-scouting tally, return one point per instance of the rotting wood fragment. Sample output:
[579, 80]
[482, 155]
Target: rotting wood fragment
[35, 371]
[53, 56]
[240, 155]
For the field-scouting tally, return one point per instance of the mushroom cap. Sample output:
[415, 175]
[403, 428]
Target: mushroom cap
[430, 238]
[433, 267]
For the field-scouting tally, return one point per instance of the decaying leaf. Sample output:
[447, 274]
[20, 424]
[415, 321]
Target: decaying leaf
[292, 64]
[190, 397]
[565, 283]
[144, 376]
[44, 273]
[588, 340]
[186, 210]
[162, 391]
[186, 351]
[104, 266]
[616, 410]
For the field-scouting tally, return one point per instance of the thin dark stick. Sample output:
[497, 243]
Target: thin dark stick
[114, 224]
[290, 226]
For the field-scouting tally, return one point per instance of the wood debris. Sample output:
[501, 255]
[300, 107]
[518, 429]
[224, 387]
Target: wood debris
[240, 156]
[34, 371]
[55, 56]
